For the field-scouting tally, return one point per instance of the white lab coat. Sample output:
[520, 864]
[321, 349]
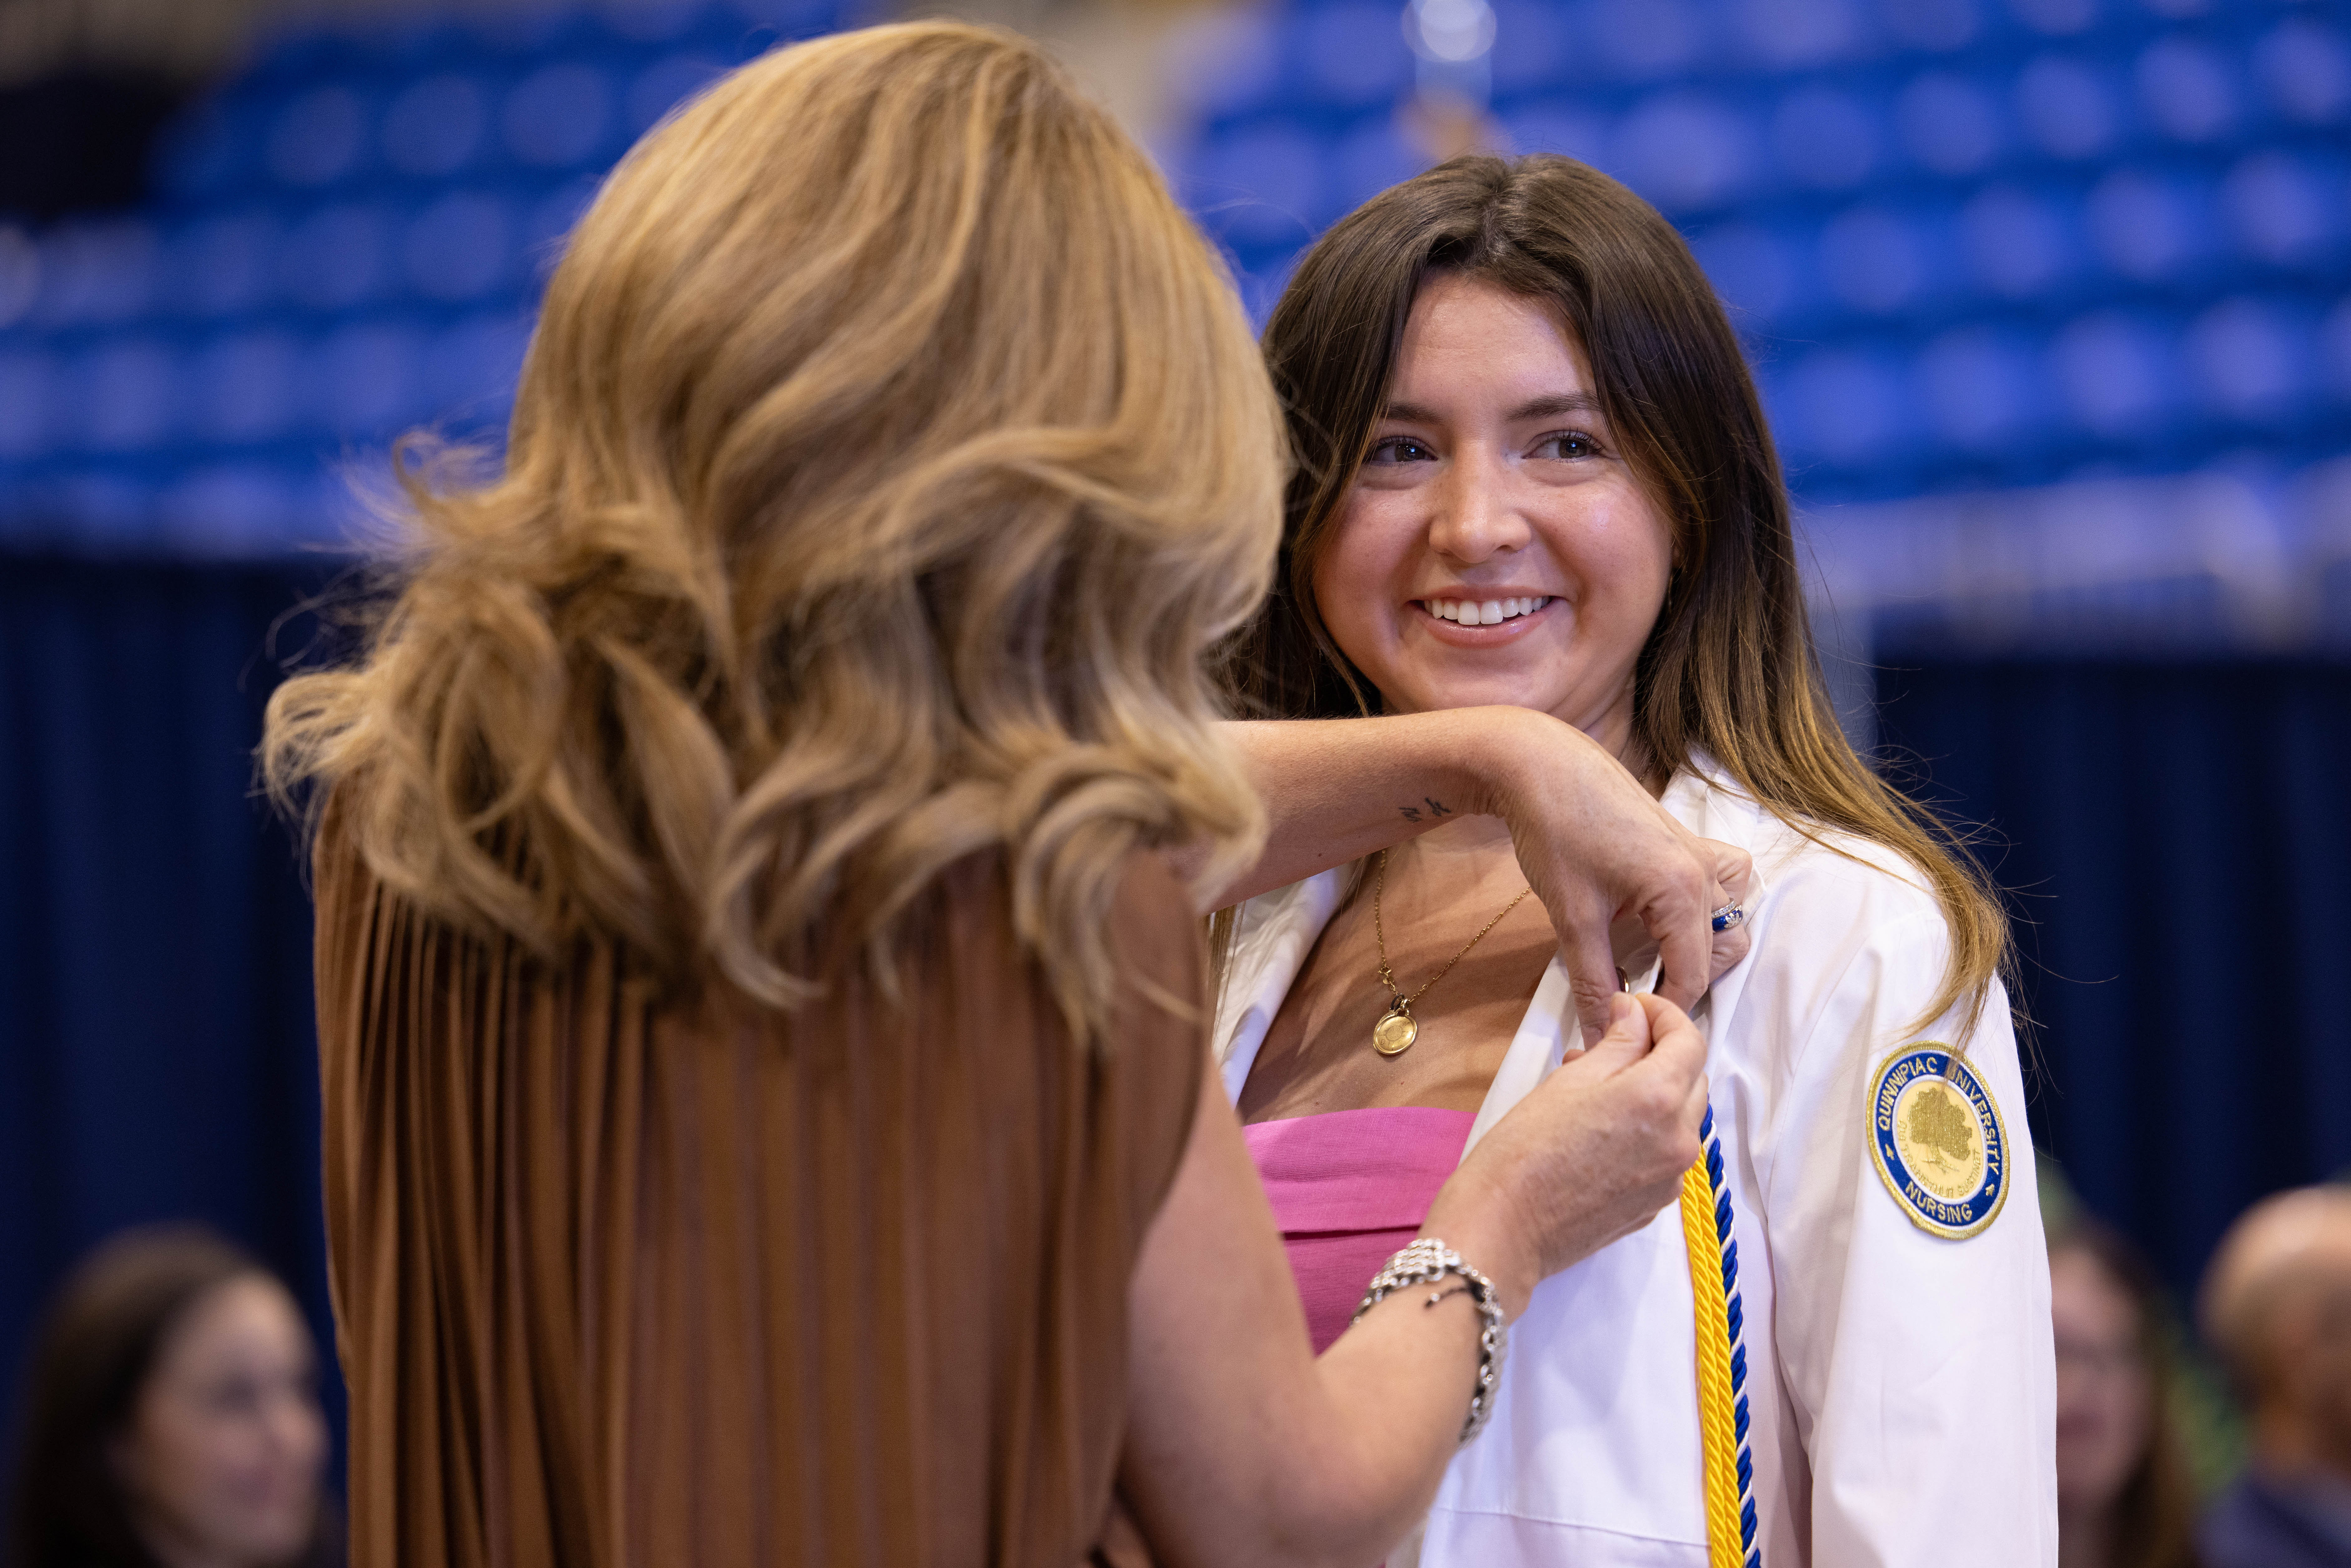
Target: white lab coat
[1904, 1409]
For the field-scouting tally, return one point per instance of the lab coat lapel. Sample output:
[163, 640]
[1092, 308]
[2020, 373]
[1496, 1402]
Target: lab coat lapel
[1275, 933]
[1550, 1024]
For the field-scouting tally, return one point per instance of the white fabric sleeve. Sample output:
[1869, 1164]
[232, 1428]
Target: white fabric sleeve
[1917, 1370]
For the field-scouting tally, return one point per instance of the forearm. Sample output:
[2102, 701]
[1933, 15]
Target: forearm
[1350, 1454]
[1613, 867]
[1394, 1393]
[1338, 790]
[1244, 1449]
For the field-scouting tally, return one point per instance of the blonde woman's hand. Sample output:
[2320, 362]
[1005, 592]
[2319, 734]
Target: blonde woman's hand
[1623, 880]
[1242, 1446]
[1590, 1155]
[1733, 879]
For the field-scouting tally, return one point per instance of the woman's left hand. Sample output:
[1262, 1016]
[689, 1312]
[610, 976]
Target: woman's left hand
[1734, 875]
[1622, 881]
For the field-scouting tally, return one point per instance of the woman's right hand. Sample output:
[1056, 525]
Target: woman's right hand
[1590, 1155]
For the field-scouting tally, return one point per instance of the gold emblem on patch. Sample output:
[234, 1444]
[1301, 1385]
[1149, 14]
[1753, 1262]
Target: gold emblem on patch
[1939, 1141]
[1936, 1135]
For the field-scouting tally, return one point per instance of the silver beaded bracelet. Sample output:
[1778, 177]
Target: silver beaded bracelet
[1426, 1262]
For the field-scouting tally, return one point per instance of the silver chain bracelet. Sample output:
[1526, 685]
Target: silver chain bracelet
[1427, 1263]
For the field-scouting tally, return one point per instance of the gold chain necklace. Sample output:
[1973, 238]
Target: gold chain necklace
[1395, 1032]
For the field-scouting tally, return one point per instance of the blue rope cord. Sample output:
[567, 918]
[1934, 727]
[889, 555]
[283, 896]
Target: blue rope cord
[1736, 1317]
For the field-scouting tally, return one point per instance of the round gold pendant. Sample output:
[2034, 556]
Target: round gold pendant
[1393, 1034]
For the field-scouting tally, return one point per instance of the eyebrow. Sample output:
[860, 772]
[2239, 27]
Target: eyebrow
[1550, 407]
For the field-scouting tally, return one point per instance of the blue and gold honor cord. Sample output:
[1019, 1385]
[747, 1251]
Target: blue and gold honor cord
[1721, 1358]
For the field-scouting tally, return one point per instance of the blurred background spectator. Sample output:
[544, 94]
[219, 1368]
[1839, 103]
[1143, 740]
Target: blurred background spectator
[2050, 300]
[170, 1417]
[2125, 1497]
[2277, 1306]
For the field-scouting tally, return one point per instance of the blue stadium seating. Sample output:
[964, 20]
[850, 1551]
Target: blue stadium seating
[1971, 243]
[347, 242]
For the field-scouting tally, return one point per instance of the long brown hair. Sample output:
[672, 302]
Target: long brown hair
[889, 453]
[1730, 669]
[91, 1361]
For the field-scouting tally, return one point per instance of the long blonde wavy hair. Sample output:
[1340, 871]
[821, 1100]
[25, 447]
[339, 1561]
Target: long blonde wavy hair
[889, 453]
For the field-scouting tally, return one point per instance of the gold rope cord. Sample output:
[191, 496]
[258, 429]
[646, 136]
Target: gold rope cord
[1722, 1361]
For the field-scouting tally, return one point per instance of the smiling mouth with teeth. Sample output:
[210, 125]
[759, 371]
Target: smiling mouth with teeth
[1483, 611]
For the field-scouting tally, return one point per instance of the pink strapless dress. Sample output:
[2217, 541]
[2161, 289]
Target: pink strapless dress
[1349, 1187]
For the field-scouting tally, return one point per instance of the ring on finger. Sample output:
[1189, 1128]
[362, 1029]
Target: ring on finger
[1729, 915]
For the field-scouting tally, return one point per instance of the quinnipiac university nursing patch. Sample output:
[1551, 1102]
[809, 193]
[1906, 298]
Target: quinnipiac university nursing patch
[1939, 1141]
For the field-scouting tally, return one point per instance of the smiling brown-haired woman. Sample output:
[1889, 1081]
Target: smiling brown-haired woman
[172, 1416]
[1728, 671]
[768, 1115]
[1534, 472]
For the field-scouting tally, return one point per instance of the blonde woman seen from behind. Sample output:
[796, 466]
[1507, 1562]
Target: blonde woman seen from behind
[768, 1110]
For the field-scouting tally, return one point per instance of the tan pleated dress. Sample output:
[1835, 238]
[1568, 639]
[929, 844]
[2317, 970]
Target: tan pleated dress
[616, 1286]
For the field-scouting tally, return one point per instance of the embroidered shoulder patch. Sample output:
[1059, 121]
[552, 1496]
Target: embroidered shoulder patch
[1939, 1141]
